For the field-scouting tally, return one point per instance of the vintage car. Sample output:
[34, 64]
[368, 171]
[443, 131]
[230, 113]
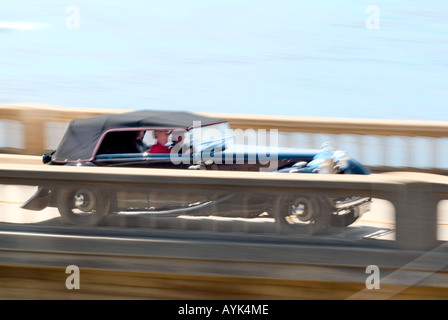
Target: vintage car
[197, 142]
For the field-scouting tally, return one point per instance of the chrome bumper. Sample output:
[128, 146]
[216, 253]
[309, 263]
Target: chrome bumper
[359, 205]
[352, 202]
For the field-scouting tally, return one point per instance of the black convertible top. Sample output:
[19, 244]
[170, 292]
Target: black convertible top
[82, 136]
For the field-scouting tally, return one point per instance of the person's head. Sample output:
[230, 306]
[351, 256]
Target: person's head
[162, 136]
[140, 134]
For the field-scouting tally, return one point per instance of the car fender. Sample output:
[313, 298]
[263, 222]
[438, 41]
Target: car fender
[40, 199]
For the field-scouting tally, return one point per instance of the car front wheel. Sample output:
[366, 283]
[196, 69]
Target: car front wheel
[82, 206]
[303, 214]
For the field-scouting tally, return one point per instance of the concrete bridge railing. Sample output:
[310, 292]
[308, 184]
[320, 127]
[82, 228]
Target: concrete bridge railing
[415, 196]
[383, 145]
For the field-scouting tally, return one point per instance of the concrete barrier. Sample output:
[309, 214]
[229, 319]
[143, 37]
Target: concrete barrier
[35, 120]
[383, 145]
[32, 266]
[414, 196]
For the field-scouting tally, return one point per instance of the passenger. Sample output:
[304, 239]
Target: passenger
[139, 143]
[162, 140]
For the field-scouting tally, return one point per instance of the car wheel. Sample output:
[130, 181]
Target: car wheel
[304, 214]
[82, 206]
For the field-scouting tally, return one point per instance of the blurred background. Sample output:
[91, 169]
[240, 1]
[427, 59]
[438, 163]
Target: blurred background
[357, 59]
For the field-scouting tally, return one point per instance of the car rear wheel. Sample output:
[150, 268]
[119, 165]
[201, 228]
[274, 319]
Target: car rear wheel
[303, 214]
[82, 206]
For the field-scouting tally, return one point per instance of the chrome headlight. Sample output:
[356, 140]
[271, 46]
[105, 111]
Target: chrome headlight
[341, 160]
[330, 161]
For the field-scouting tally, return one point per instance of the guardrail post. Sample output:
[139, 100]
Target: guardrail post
[33, 121]
[416, 217]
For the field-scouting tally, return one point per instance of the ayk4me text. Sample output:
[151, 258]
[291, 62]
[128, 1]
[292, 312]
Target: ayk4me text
[227, 309]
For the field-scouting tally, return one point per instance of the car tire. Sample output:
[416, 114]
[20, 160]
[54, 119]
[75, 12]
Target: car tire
[302, 214]
[82, 206]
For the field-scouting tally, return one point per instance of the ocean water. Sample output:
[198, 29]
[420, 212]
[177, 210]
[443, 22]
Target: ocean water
[353, 59]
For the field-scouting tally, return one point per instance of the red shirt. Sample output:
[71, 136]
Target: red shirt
[159, 148]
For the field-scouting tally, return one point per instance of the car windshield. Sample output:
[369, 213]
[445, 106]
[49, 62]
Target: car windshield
[212, 135]
[217, 136]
